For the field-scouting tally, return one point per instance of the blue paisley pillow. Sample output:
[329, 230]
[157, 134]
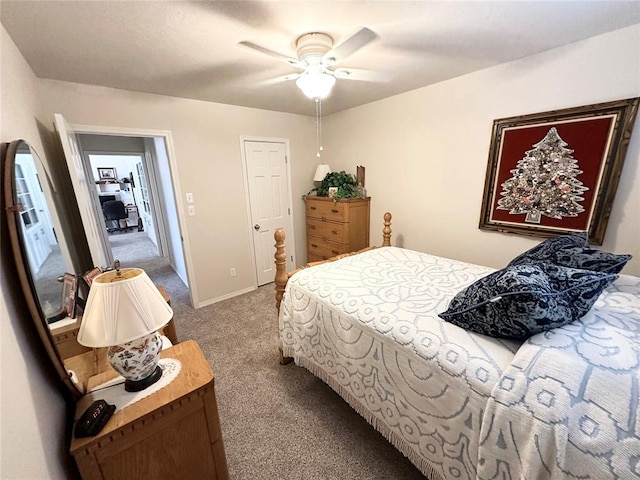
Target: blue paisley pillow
[591, 259]
[522, 300]
[546, 251]
[573, 251]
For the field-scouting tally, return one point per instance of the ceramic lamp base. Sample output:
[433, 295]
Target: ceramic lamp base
[137, 361]
[138, 385]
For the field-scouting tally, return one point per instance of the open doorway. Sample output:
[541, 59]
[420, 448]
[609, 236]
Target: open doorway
[160, 170]
[126, 172]
[124, 196]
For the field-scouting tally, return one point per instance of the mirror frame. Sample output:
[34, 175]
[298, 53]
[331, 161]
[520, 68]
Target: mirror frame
[13, 208]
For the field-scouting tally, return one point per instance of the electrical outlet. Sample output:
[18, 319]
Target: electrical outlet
[192, 210]
[233, 272]
[189, 197]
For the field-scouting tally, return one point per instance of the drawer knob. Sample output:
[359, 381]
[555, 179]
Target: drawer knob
[335, 232]
[312, 208]
[333, 210]
[314, 245]
[335, 251]
[312, 227]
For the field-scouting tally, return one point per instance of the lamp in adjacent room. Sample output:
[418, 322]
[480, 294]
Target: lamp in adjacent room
[124, 310]
[321, 172]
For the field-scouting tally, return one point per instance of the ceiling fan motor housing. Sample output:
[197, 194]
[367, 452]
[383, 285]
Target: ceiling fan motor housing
[313, 45]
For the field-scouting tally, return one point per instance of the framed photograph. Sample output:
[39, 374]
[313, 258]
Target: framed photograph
[90, 275]
[557, 172]
[106, 173]
[69, 285]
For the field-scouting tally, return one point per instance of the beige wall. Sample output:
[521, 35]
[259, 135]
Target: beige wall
[425, 151]
[206, 138]
[32, 410]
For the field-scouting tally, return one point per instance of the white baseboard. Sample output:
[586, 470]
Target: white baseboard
[226, 297]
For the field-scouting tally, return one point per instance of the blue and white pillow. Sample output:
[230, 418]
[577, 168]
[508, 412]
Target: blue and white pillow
[546, 251]
[591, 259]
[573, 251]
[521, 300]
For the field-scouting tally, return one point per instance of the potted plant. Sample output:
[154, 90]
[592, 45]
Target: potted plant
[344, 182]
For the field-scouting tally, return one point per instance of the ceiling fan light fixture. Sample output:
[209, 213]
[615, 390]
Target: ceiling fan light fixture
[316, 84]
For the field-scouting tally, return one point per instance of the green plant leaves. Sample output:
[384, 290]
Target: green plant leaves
[346, 183]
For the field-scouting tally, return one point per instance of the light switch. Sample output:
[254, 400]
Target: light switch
[192, 210]
[189, 197]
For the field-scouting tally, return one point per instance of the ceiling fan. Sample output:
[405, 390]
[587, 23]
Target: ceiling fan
[318, 58]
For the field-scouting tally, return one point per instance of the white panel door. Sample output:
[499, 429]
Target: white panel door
[266, 165]
[35, 221]
[94, 225]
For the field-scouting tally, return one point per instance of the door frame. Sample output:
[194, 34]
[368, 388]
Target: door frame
[291, 254]
[166, 135]
[157, 200]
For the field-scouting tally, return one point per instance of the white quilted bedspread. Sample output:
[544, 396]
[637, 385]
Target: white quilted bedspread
[368, 326]
[462, 405]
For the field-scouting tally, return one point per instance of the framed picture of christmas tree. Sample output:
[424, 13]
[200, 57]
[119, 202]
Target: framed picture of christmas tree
[557, 172]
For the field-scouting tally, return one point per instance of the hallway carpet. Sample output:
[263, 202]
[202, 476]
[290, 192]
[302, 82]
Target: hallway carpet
[135, 249]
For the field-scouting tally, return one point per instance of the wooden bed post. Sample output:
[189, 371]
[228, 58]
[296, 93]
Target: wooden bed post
[281, 278]
[386, 231]
[281, 266]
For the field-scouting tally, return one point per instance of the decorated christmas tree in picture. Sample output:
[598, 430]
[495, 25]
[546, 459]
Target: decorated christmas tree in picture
[544, 182]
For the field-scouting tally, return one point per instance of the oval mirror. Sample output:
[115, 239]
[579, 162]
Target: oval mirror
[38, 245]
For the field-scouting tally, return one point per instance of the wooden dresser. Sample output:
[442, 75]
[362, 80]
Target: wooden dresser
[336, 227]
[172, 434]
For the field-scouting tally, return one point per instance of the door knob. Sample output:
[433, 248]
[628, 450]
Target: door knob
[256, 227]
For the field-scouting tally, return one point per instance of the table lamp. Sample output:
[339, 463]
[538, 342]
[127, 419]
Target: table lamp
[321, 171]
[124, 310]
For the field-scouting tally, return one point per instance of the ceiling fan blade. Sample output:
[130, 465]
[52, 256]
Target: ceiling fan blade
[290, 60]
[353, 43]
[282, 78]
[362, 75]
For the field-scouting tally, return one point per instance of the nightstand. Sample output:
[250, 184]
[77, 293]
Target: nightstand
[173, 433]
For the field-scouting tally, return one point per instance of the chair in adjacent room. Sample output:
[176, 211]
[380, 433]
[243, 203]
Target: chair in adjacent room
[114, 211]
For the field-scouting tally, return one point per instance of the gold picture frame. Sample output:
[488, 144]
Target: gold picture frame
[69, 287]
[90, 275]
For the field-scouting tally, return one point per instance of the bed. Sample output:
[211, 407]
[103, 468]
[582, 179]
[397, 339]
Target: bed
[562, 403]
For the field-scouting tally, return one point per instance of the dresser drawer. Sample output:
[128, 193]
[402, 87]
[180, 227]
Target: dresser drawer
[335, 232]
[323, 249]
[314, 258]
[328, 210]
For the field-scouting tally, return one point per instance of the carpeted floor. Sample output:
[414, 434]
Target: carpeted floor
[278, 422]
[46, 282]
[135, 249]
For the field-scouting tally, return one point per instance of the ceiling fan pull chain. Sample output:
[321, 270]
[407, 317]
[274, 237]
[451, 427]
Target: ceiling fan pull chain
[320, 122]
[318, 126]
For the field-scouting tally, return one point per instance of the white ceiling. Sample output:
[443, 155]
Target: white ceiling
[191, 49]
